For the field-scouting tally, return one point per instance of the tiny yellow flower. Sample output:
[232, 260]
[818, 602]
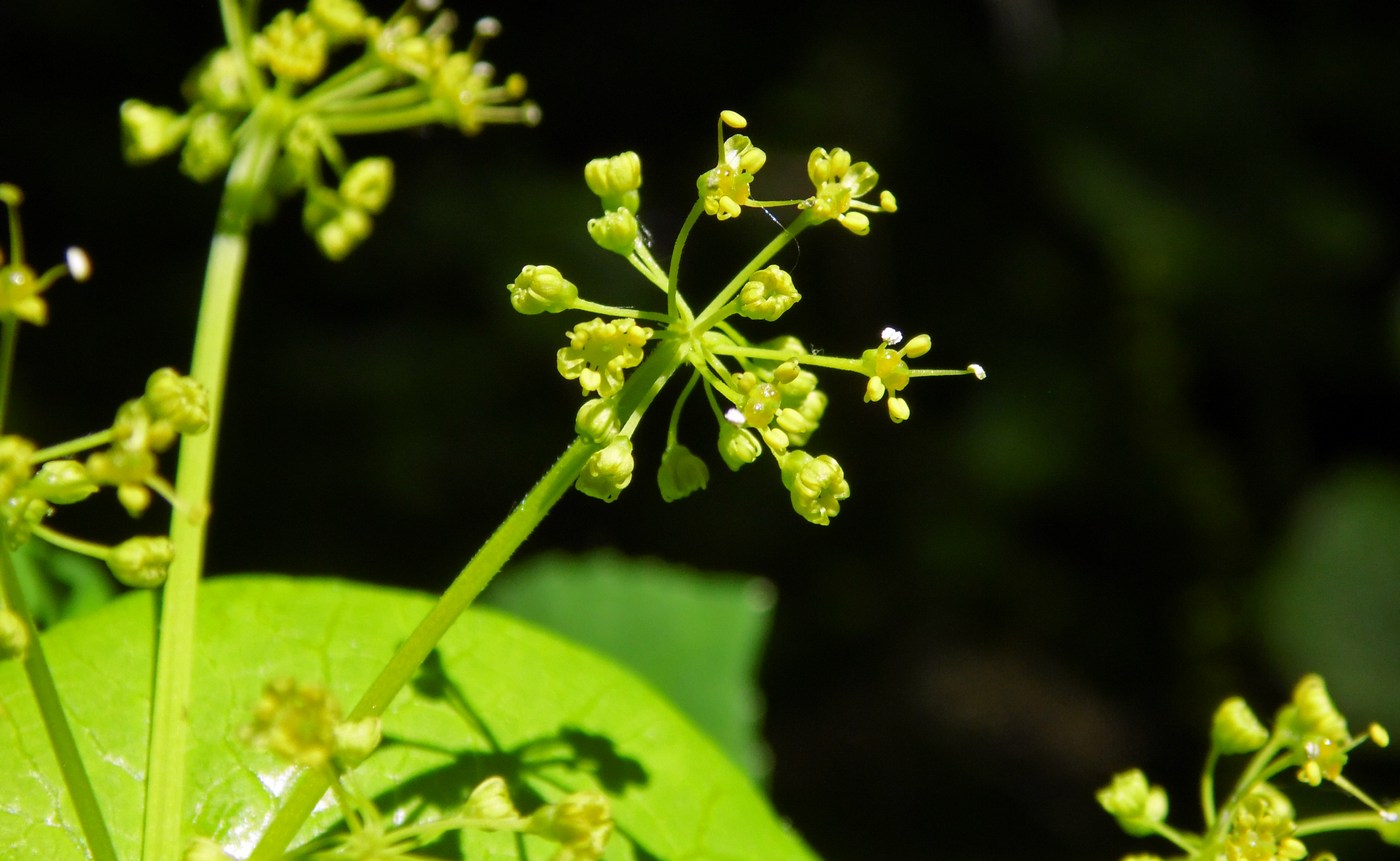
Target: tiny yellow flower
[292, 46]
[297, 722]
[725, 188]
[599, 352]
[839, 184]
[541, 289]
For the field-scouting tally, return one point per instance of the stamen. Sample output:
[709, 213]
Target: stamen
[79, 265]
[891, 336]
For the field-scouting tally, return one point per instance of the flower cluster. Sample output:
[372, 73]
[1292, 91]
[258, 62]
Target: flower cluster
[301, 724]
[1257, 822]
[764, 394]
[408, 74]
[34, 480]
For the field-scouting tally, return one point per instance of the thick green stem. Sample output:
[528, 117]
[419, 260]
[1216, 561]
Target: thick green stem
[228, 252]
[489, 560]
[65, 747]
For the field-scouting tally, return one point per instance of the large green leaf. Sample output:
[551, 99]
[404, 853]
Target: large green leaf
[697, 638]
[553, 718]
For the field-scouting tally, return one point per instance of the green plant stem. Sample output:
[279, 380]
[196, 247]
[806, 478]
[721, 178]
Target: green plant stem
[715, 310]
[9, 338]
[228, 252]
[65, 747]
[488, 561]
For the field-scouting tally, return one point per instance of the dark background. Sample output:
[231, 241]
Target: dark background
[1167, 230]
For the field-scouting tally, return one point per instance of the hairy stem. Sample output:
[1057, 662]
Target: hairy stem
[228, 252]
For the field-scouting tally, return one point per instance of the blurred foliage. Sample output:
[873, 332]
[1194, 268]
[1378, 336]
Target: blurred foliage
[1167, 229]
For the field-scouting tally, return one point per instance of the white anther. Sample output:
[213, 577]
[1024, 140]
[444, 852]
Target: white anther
[734, 417]
[890, 335]
[977, 371]
[488, 27]
[79, 265]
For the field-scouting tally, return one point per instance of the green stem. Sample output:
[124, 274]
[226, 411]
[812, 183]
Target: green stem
[715, 309]
[65, 747]
[228, 253]
[488, 561]
[673, 276]
[9, 337]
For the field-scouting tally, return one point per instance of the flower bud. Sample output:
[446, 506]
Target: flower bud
[1236, 729]
[681, 473]
[149, 132]
[218, 83]
[14, 634]
[344, 20]
[615, 230]
[208, 148]
[541, 288]
[142, 562]
[62, 482]
[616, 180]
[491, 800]
[581, 823]
[738, 446]
[597, 419]
[816, 484]
[1135, 804]
[15, 452]
[608, 472]
[767, 295]
[356, 740]
[177, 399]
[368, 183]
[344, 233]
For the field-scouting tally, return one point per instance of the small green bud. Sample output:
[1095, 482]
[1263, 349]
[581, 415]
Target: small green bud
[608, 472]
[368, 183]
[21, 513]
[541, 288]
[597, 420]
[217, 84]
[615, 231]
[581, 823]
[149, 132]
[14, 635]
[738, 446]
[767, 295]
[344, 233]
[816, 485]
[616, 180]
[761, 403]
[62, 482]
[797, 426]
[490, 800]
[356, 740]
[204, 849]
[177, 399]
[344, 20]
[681, 473]
[15, 452]
[142, 562]
[1236, 729]
[1136, 805]
[208, 148]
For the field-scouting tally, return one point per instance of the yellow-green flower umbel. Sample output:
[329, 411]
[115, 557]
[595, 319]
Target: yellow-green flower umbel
[763, 394]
